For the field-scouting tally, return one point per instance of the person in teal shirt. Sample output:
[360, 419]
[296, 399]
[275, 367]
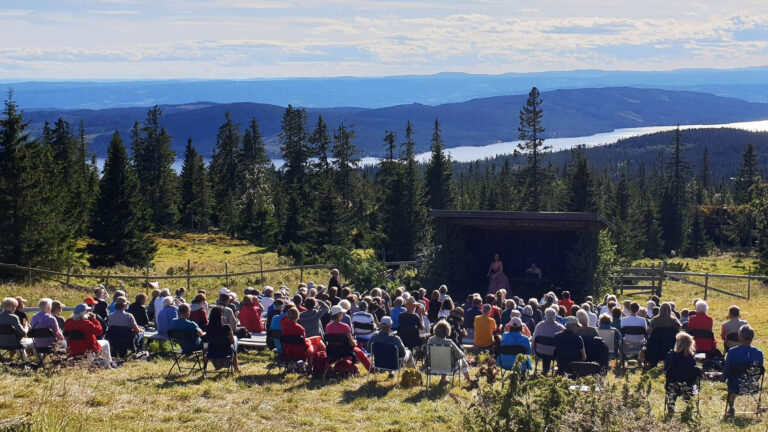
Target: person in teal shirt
[183, 323]
[514, 337]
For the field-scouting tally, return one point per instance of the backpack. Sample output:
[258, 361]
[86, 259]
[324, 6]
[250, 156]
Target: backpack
[345, 367]
[319, 364]
[410, 378]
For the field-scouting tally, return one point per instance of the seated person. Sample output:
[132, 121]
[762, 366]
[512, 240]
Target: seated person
[166, 315]
[506, 315]
[336, 326]
[566, 301]
[485, 329]
[701, 321]
[528, 317]
[250, 314]
[739, 356]
[100, 306]
[44, 319]
[455, 321]
[534, 270]
[514, 337]
[569, 346]
[290, 327]
[139, 310]
[220, 333]
[411, 325]
[663, 331]
[680, 366]
[549, 327]
[87, 323]
[475, 310]
[198, 311]
[609, 334]
[185, 324]
[121, 318]
[732, 326]
[396, 311]
[633, 320]
[311, 319]
[56, 308]
[362, 316]
[442, 338]
[585, 330]
[384, 336]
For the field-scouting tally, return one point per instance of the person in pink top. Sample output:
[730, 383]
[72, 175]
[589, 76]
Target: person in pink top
[250, 314]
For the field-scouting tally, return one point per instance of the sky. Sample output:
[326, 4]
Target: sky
[233, 39]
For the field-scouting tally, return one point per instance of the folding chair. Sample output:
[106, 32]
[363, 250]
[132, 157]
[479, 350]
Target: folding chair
[543, 341]
[701, 334]
[121, 340]
[367, 329]
[661, 341]
[10, 342]
[631, 349]
[514, 350]
[179, 338]
[412, 340]
[751, 379]
[337, 348]
[681, 382]
[609, 338]
[289, 363]
[70, 336]
[44, 342]
[385, 357]
[219, 351]
[441, 362]
[731, 337]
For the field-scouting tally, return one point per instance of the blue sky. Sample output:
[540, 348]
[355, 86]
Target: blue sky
[160, 39]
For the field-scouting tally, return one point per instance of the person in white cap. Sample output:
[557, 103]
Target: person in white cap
[338, 327]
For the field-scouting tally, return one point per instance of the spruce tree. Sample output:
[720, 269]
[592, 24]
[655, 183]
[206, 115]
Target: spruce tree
[121, 219]
[438, 175]
[695, 244]
[673, 199]
[346, 161]
[321, 149]
[749, 175]
[153, 160]
[194, 208]
[225, 167]
[580, 188]
[256, 212]
[296, 152]
[530, 133]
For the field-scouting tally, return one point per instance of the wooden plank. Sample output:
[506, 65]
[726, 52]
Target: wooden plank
[639, 293]
[639, 278]
[706, 286]
[637, 287]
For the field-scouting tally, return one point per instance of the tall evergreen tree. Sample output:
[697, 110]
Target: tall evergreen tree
[530, 133]
[321, 143]
[346, 160]
[705, 175]
[580, 188]
[695, 244]
[749, 175]
[296, 152]
[256, 211]
[71, 156]
[224, 173]
[439, 176]
[121, 219]
[153, 160]
[673, 200]
[195, 203]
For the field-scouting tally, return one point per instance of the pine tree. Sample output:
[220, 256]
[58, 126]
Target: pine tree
[749, 175]
[580, 188]
[705, 175]
[71, 156]
[673, 200]
[121, 219]
[256, 212]
[695, 244]
[153, 160]
[224, 174]
[439, 176]
[320, 140]
[195, 208]
[296, 153]
[345, 161]
[532, 144]
[33, 229]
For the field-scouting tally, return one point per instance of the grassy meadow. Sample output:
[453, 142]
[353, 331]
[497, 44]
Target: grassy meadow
[138, 396]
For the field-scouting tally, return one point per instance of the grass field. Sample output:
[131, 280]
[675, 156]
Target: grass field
[138, 397]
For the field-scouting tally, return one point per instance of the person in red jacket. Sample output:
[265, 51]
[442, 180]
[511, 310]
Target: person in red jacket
[250, 314]
[291, 328]
[566, 301]
[702, 321]
[85, 322]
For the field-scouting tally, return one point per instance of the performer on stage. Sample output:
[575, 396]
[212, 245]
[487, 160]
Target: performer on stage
[534, 270]
[497, 279]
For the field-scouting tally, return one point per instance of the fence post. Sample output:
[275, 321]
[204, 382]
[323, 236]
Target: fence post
[261, 269]
[706, 285]
[226, 274]
[621, 282]
[69, 270]
[29, 274]
[654, 275]
[301, 275]
[146, 285]
[189, 269]
[749, 282]
[662, 267]
[106, 281]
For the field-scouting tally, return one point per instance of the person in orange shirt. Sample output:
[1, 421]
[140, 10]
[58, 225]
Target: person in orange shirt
[485, 329]
[566, 301]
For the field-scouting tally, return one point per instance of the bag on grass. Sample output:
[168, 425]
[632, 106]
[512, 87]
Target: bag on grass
[410, 378]
[319, 364]
[345, 367]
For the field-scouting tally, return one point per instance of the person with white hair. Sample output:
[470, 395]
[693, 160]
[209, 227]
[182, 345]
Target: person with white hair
[585, 330]
[44, 319]
[168, 313]
[548, 327]
[86, 323]
[586, 307]
[158, 302]
[702, 321]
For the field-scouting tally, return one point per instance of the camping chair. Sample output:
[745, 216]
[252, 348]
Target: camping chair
[412, 340]
[275, 335]
[661, 341]
[10, 342]
[177, 337]
[337, 347]
[44, 342]
[684, 382]
[367, 328]
[121, 340]
[731, 337]
[702, 334]
[514, 350]
[614, 346]
[541, 341]
[584, 369]
[631, 349]
[74, 335]
[385, 357]
[290, 363]
[221, 354]
[751, 378]
[441, 362]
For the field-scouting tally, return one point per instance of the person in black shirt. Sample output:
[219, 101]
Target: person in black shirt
[569, 347]
[409, 325]
[21, 314]
[220, 336]
[139, 311]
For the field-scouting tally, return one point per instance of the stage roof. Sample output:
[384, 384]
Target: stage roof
[519, 220]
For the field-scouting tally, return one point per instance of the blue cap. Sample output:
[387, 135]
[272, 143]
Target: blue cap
[81, 308]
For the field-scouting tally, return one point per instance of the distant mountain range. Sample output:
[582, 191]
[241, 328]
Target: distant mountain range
[567, 113]
[376, 92]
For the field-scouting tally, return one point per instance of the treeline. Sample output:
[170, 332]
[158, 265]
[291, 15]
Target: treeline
[321, 200]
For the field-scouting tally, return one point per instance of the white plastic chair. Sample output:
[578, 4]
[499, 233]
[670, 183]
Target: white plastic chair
[441, 362]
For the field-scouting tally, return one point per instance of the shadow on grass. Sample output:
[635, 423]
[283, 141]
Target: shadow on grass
[180, 381]
[369, 390]
[261, 379]
[432, 394]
